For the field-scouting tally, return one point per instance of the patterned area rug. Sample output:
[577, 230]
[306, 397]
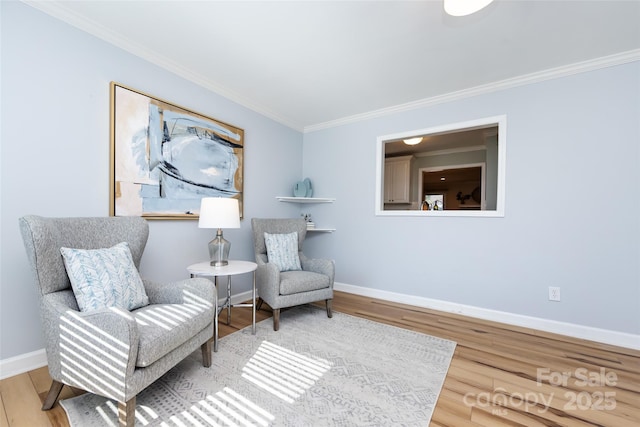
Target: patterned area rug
[315, 371]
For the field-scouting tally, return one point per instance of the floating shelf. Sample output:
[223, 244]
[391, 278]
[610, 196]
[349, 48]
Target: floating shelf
[305, 199]
[310, 200]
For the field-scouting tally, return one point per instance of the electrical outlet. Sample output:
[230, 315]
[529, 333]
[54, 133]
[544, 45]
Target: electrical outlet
[554, 293]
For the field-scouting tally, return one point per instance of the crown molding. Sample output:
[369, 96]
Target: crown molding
[65, 14]
[552, 73]
[57, 10]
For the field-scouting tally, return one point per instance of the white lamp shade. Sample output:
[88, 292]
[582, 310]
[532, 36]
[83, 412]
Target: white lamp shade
[219, 212]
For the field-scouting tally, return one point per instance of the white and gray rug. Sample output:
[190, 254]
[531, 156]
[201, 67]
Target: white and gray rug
[315, 371]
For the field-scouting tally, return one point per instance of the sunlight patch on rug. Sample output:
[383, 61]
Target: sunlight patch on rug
[313, 371]
[282, 372]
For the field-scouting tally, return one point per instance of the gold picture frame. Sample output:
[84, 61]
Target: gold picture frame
[164, 158]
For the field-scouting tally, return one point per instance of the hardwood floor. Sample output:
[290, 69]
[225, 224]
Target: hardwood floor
[500, 375]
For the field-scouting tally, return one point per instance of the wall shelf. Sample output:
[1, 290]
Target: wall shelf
[321, 230]
[310, 200]
[305, 199]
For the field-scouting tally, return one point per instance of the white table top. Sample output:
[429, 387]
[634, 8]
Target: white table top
[234, 267]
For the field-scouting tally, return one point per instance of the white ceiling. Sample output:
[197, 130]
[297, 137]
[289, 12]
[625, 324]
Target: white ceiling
[311, 64]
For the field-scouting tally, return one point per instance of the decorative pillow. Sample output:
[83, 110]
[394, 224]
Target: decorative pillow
[282, 250]
[103, 278]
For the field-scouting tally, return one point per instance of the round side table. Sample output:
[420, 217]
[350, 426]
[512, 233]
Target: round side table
[235, 267]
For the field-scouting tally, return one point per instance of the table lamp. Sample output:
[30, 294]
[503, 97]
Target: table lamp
[219, 212]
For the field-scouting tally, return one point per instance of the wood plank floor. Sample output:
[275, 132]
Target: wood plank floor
[500, 375]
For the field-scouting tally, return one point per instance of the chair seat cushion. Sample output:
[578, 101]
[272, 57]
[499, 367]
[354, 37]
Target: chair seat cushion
[164, 327]
[293, 282]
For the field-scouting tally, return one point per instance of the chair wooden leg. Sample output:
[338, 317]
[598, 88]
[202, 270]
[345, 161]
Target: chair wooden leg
[127, 413]
[52, 396]
[276, 319]
[206, 354]
[259, 305]
[329, 312]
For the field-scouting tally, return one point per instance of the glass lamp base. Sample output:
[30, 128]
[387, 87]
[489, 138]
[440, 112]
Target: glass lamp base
[219, 250]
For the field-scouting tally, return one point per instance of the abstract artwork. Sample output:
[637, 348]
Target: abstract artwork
[165, 158]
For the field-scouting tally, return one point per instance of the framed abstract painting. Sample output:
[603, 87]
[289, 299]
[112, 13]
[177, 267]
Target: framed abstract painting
[165, 158]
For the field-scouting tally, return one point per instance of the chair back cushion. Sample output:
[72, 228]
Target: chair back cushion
[103, 278]
[43, 238]
[275, 226]
[282, 250]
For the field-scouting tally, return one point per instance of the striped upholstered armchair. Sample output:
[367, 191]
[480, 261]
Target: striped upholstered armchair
[285, 277]
[102, 336]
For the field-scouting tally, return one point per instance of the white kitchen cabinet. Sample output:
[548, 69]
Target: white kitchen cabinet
[397, 175]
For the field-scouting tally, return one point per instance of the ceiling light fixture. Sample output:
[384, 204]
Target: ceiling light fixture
[413, 141]
[464, 7]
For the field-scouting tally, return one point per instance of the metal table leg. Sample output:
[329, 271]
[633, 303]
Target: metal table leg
[204, 269]
[215, 320]
[216, 311]
[228, 300]
[253, 305]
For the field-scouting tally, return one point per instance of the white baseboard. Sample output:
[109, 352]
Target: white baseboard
[620, 339]
[22, 363]
[616, 338]
[37, 359]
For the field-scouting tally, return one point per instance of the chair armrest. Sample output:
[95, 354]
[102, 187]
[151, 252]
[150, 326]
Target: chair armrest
[268, 281]
[111, 334]
[95, 351]
[198, 291]
[319, 265]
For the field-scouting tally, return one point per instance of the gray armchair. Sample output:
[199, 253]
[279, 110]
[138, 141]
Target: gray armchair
[281, 289]
[112, 352]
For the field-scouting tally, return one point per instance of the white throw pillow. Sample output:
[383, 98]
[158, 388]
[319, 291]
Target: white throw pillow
[103, 278]
[282, 250]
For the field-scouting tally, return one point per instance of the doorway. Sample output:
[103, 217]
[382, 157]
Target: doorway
[462, 186]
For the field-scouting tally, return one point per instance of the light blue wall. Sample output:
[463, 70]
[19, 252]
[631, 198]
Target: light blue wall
[572, 199]
[55, 155]
[572, 216]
